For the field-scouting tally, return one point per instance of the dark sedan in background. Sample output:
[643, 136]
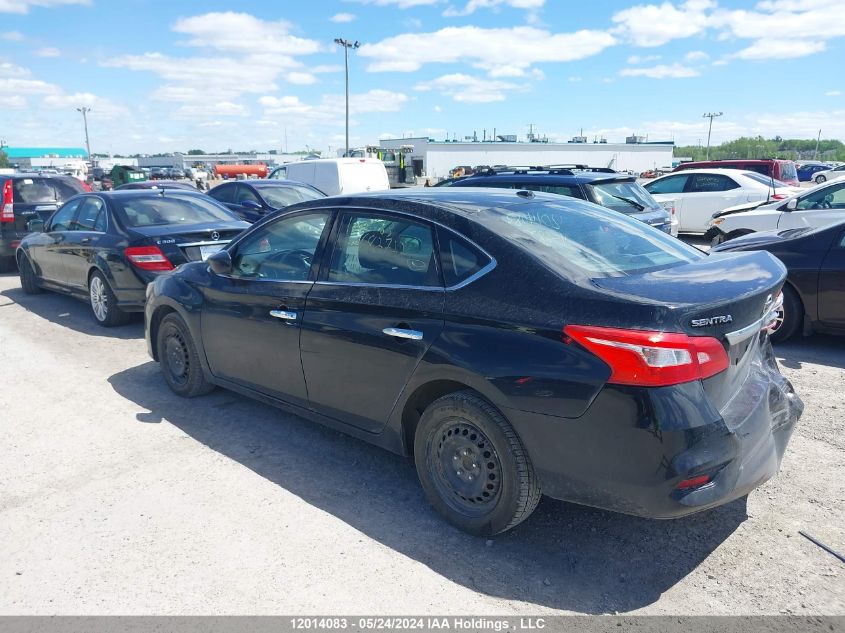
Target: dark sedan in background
[157, 184]
[515, 343]
[814, 295]
[254, 199]
[106, 247]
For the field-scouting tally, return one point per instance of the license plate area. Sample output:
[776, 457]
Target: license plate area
[209, 250]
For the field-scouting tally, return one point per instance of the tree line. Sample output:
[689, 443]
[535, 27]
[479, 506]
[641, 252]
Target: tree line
[759, 147]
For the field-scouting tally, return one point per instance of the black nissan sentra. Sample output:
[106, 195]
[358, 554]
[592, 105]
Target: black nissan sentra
[106, 247]
[515, 343]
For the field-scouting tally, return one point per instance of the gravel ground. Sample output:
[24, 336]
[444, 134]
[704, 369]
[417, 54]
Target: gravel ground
[117, 497]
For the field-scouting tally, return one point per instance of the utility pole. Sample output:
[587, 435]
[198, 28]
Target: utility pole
[816, 153]
[346, 44]
[711, 116]
[85, 110]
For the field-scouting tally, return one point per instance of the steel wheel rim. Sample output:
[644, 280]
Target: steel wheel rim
[466, 468]
[99, 299]
[178, 360]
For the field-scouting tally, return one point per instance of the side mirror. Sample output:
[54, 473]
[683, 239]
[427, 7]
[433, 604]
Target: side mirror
[35, 226]
[792, 204]
[220, 262]
[251, 204]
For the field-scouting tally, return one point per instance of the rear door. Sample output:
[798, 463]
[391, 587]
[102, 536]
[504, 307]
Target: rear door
[251, 318]
[706, 194]
[375, 311]
[832, 285]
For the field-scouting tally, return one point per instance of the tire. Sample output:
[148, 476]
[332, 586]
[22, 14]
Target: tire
[28, 281]
[820, 179]
[178, 359]
[790, 318]
[473, 467]
[103, 302]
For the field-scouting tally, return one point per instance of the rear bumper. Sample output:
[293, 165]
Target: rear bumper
[633, 446]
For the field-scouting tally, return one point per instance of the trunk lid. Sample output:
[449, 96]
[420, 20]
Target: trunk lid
[189, 242]
[726, 296]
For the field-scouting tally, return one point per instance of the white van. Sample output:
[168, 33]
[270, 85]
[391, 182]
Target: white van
[334, 176]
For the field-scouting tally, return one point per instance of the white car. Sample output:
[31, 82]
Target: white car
[699, 193]
[831, 174]
[816, 207]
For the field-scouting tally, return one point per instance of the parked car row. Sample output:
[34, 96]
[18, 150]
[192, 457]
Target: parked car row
[514, 342]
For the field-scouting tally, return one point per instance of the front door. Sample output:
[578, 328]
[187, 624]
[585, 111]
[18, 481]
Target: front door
[251, 318]
[46, 252]
[372, 316]
[818, 208]
[79, 244]
[832, 285]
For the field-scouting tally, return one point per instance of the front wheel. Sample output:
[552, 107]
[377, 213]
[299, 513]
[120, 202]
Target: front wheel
[179, 360]
[472, 465]
[820, 179]
[103, 302]
[29, 283]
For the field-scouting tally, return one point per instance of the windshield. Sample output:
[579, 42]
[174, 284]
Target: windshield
[765, 180]
[583, 239]
[159, 210]
[279, 197]
[626, 196]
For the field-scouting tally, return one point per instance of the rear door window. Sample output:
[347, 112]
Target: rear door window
[701, 183]
[460, 259]
[89, 216]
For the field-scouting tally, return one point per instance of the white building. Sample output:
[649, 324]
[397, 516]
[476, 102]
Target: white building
[436, 158]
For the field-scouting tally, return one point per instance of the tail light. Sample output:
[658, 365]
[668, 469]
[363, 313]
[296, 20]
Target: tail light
[652, 359]
[779, 196]
[7, 211]
[148, 258]
[693, 482]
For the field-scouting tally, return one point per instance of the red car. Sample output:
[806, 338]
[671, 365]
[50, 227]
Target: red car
[779, 169]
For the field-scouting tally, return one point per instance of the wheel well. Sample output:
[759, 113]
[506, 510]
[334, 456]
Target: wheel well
[155, 321]
[418, 403]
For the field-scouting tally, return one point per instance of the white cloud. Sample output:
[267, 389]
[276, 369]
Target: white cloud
[661, 71]
[833, 93]
[12, 36]
[331, 107]
[468, 89]
[778, 48]
[642, 59]
[48, 51]
[516, 47]
[23, 6]
[401, 4]
[696, 56]
[473, 5]
[654, 25]
[104, 108]
[342, 18]
[300, 78]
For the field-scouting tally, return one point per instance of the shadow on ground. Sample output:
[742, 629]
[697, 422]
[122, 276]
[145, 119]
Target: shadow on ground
[564, 557]
[70, 313]
[817, 349]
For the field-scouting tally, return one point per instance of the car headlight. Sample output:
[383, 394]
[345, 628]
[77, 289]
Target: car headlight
[716, 221]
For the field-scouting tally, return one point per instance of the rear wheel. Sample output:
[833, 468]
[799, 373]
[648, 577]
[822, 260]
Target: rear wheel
[179, 360]
[104, 302]
[789, 317]
[472, 465]
[820, 179]
[28, 281]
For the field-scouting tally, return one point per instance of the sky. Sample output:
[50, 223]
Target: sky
[164, 76]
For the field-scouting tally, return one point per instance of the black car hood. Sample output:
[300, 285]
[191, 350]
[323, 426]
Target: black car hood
[761, 238]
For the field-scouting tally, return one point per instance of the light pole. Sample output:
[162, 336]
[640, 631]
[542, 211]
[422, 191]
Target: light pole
[711, 116]
[85, 110]
[818, 139]
[346, 44]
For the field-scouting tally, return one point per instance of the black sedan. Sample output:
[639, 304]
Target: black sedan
[157, 184]
[254, 199]
[513, 342]
[106, 247]
[814, 295]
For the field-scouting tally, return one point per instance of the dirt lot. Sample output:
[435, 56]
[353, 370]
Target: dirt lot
[117, 497]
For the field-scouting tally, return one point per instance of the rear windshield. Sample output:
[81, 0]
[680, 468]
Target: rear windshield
[33, 191]
[582, 239]
[279, 197]
[627, 197]
[159, 210]
[763, 179]
[788, 171]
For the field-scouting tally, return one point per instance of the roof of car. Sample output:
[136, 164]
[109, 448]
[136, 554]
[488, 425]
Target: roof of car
[147, 193]
[559, 176]
[707, 170]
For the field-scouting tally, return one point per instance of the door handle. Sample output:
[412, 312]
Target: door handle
[85, 240]
[286, 315]
[396, 332]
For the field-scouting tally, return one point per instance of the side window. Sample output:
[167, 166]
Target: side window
[383, 250]
[760, 169]
[63, 218]
[66, 189]
[711, 182]
[223, 193]
[245, 193]
[672, 184]
[283, 250]
[827, 198]
[561, 190]
[460, 259]
[89, 215]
